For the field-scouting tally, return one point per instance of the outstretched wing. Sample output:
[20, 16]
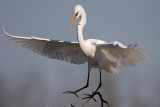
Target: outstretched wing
[127, 56]
[117, 56]
[61, 50]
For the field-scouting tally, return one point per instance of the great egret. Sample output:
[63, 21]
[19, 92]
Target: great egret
[99, 54]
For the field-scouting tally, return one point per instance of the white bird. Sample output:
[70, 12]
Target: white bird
[110, 57]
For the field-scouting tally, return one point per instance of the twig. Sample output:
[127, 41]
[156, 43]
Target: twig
[85, 103]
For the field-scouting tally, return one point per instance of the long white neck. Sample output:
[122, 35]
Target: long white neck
[80, 31]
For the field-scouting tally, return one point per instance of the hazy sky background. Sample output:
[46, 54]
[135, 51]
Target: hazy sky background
[41, 80]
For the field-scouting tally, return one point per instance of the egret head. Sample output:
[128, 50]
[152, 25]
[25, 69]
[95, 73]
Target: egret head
[78, 11]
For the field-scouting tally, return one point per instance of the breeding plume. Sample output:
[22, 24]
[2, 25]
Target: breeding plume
[110, 57]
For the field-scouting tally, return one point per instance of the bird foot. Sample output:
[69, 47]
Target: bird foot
[71, 92]
[89, 96]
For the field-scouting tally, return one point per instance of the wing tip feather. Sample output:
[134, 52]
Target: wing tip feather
[4, 31]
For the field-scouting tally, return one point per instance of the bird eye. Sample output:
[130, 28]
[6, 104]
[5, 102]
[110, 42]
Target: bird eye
[76, 13]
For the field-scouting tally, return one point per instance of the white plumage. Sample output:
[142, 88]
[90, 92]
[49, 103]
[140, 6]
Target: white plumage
[110, 56]
[114, 55]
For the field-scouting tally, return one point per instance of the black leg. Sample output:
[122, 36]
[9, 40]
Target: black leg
[95, 92]
[75, 92]
[100, 83]
[98, 93]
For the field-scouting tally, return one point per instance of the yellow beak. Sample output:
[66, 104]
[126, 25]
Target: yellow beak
[74, 15]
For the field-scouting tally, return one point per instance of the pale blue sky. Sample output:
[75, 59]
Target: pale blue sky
[136, 21]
